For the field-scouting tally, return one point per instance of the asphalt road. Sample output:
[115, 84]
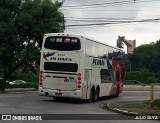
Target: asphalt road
[31, 103]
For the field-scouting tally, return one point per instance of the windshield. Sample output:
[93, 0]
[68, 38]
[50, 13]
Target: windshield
[62, 43]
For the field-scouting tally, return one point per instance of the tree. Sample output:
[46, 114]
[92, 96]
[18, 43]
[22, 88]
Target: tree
[144, 56]
[28, 74]
[157, 60]
[144, 63]
[140, 75]
[22, 26]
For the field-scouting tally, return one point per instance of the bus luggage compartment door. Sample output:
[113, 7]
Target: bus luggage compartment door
[60, 82]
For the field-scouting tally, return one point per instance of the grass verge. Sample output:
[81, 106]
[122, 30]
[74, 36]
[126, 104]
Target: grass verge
[141, 107]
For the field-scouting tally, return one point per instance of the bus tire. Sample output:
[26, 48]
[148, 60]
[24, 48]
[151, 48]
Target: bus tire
[56, 99]
[92, 95]
[97, 94]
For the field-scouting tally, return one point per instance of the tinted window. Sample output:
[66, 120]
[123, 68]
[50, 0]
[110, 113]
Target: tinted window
[105, 76]
[91, 48]
[102, 51]
[62, 43]
[67, 67]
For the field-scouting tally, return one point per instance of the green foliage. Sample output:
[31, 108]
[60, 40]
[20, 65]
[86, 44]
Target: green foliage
[22, 26]
[143, 56]
[157, 102]
[26, 85]
[143, 65]
[151, 79]
[140, 75]
[143, 76]
[25, 74]
[157, 75]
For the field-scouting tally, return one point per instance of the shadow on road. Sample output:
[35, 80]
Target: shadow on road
[75, 101]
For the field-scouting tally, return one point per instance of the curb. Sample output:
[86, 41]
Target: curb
[107, 106]
[121, 111]
[19, 90]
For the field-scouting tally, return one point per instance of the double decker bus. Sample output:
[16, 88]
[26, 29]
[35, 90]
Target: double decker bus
[75, 66]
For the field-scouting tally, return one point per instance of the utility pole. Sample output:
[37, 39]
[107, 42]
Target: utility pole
[131, 44]
[151, 94]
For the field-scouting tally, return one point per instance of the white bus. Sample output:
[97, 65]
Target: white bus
[74, 66]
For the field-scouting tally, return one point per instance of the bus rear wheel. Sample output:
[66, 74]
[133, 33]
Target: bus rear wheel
[96, 98]
[92, 96]
[56, 99]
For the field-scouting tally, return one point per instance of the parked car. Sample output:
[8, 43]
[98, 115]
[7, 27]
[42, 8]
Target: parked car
[11, 83]
[19, 82]
[132, 82]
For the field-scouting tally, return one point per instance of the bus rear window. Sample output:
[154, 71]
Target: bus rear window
[66, 67]
[62, 43]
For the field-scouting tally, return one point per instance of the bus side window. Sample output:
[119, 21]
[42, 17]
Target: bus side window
[105, 76]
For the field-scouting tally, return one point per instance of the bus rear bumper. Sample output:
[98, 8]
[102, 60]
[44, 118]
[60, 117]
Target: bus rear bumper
[57, 93]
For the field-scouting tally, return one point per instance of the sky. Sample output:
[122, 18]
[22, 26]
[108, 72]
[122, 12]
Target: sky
[113, 10]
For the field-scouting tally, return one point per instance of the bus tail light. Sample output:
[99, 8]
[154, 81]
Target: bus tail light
[79, 80]
[41, 78]
[79, 86]
[79, 74]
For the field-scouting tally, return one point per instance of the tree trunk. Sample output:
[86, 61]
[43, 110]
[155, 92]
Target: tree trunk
[2, 85]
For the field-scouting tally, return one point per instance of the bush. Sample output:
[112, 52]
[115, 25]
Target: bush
[24, 74]
[151, 79]
[24, 85]
[140, 75]
[157, 75]
[143, 76]
[157, 103]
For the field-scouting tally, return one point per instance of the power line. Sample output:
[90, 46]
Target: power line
[101, 26]
[112, 10]
[91, 18]
[86, 6]
[103, 5]
[117, 22]
[100, 20]
[104, 21]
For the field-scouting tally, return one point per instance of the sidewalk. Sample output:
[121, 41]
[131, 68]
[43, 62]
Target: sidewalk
[140, 88]
[20, 89]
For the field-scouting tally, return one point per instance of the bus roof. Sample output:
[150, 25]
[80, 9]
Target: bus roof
[71, 34]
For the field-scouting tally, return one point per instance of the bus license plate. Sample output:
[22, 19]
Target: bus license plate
[58, 94]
